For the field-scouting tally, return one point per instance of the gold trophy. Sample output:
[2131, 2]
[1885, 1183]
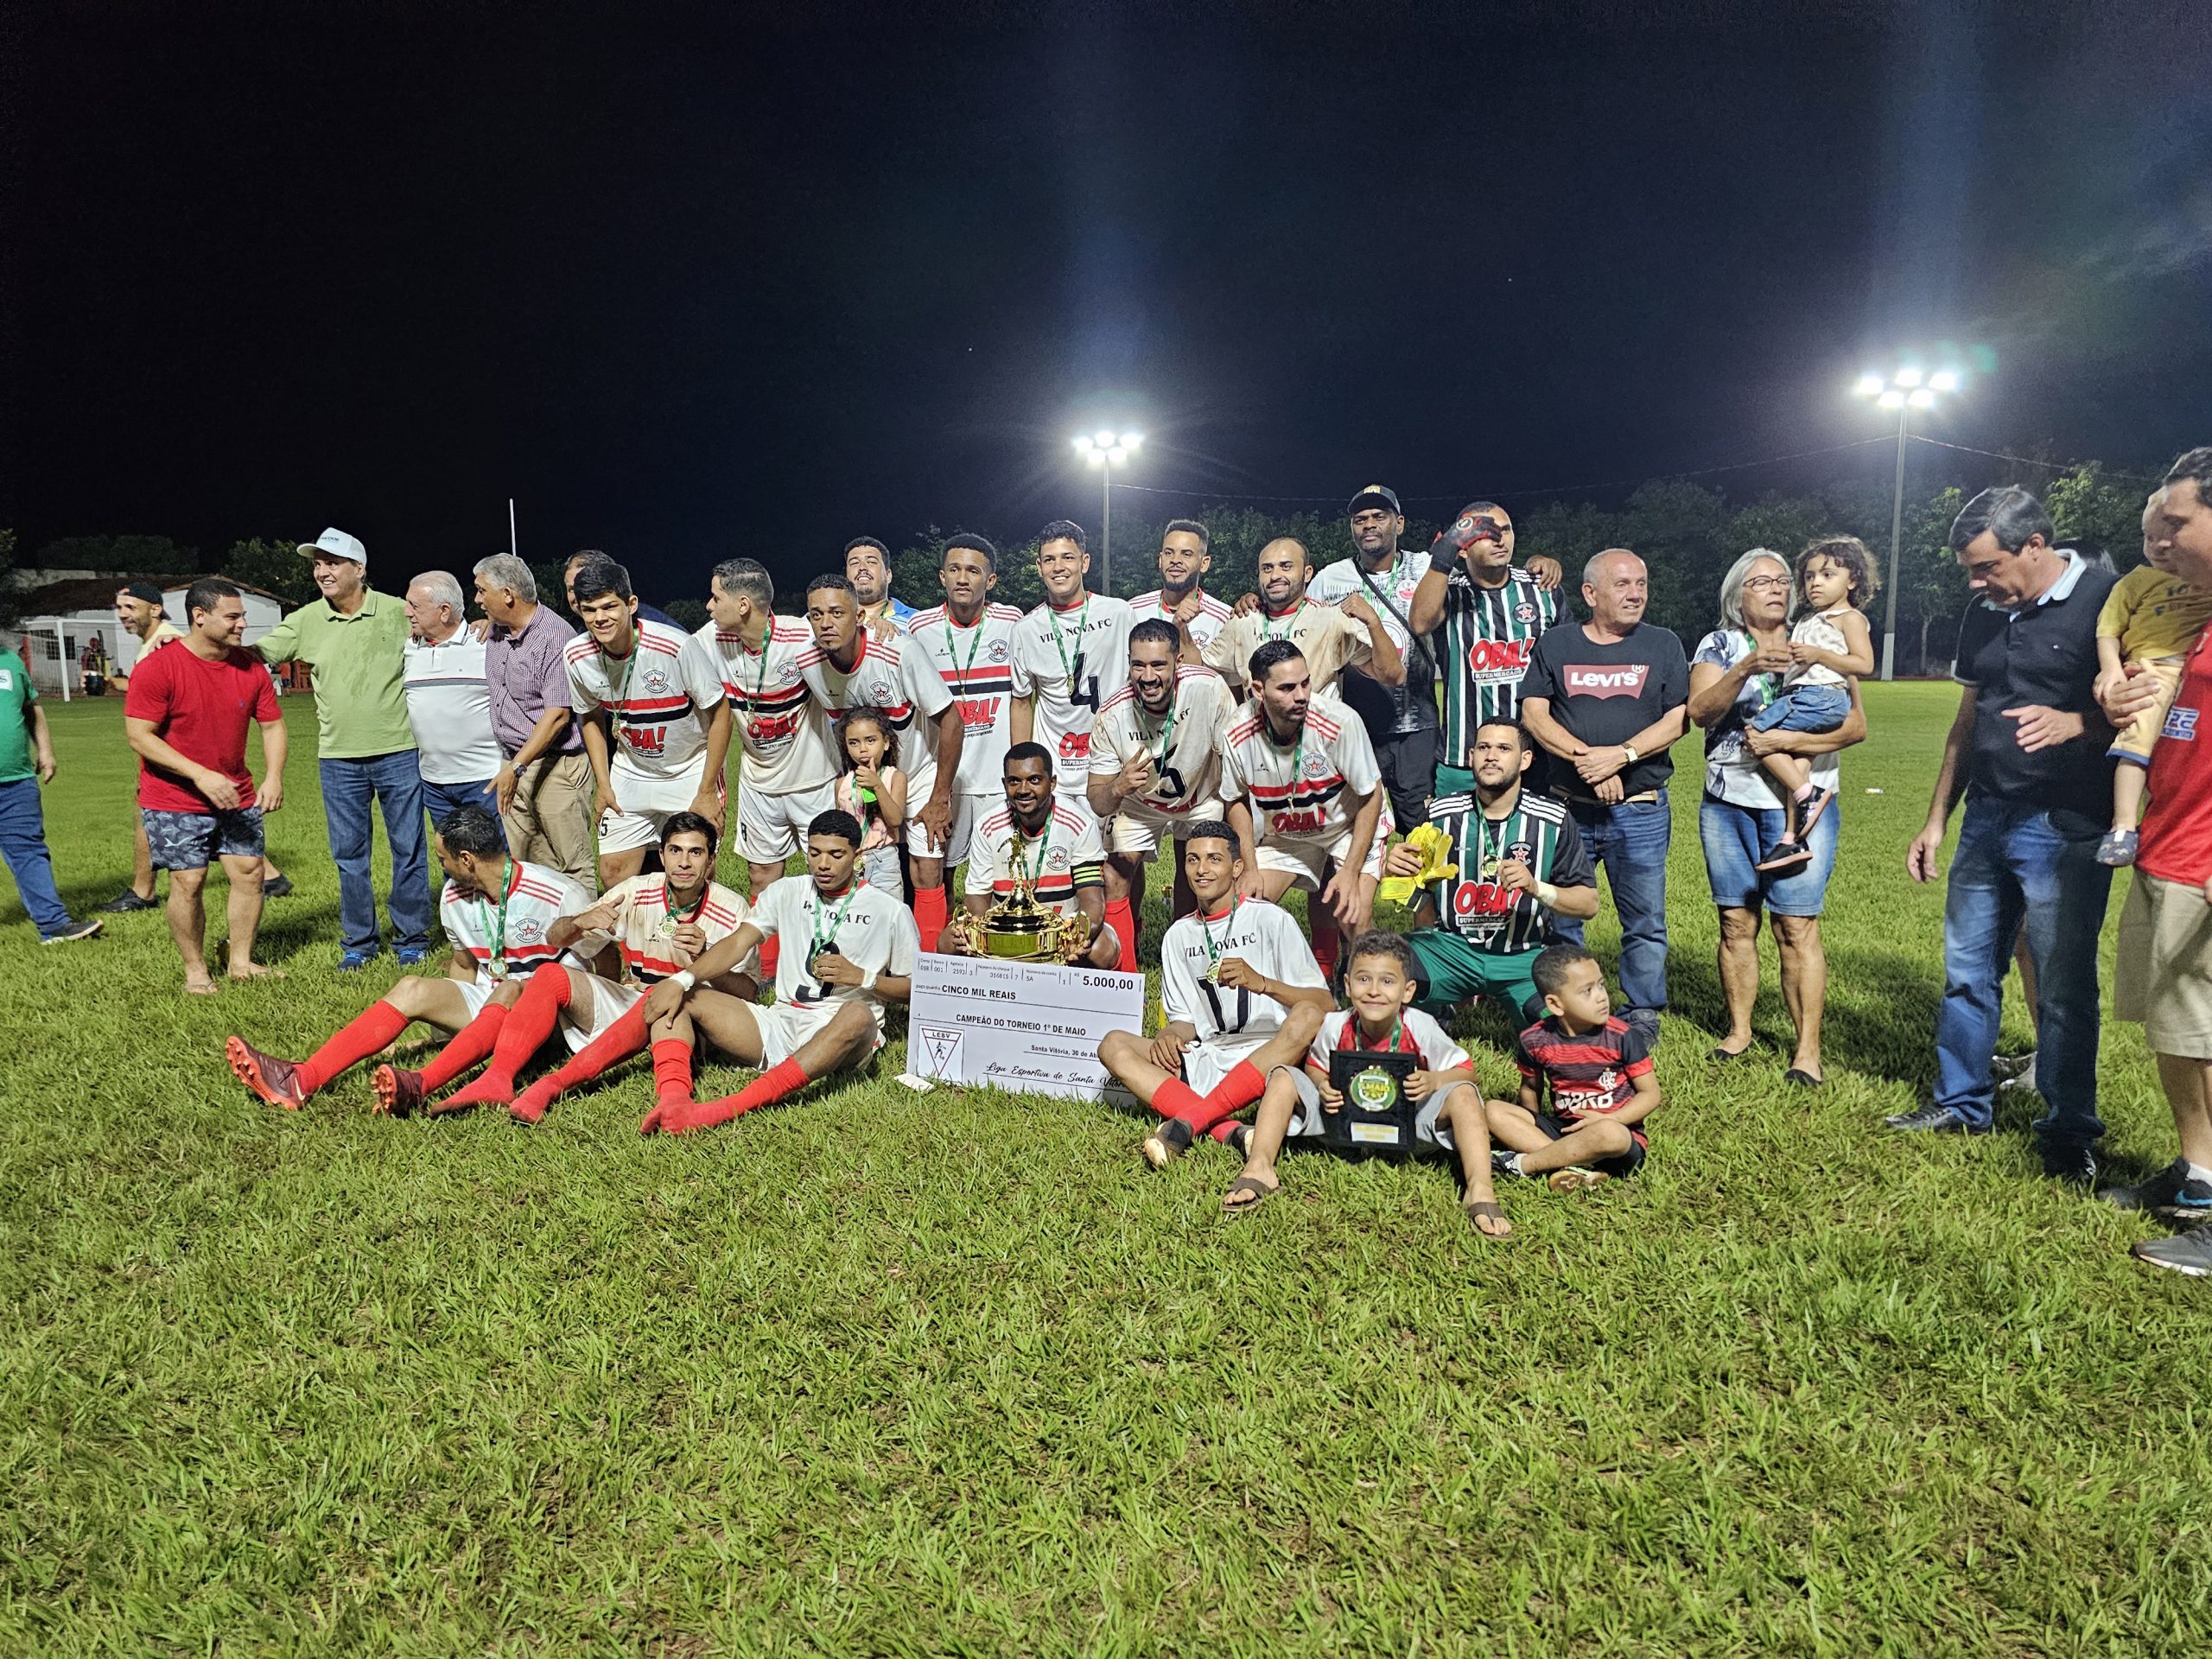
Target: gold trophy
[1019, 929]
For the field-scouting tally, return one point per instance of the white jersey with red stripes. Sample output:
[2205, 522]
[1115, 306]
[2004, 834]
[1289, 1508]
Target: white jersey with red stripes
[1299, 791]
[656, 694]
[505, 934]
[784, 732]
[1077, 656]
[978, 666]
[896, 677]
[1064, 854]
[1185, 754]
[1264, 937]
[1212, 616]
[642, 918]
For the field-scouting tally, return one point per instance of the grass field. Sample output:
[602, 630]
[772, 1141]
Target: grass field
[888, 1375]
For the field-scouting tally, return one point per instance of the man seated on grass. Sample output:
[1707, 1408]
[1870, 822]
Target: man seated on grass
[847, 949]
[1041, 839]
[1380, 983]
[661, 925]
[1241, 994]
[499, 914]
[1598, 1070]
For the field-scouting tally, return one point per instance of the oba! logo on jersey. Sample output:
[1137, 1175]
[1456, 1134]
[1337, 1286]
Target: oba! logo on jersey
[1495, 661]
[1612, 680]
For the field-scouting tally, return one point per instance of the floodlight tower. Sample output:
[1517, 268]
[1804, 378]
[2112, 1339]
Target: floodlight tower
[1105, 449]
[1904, 389]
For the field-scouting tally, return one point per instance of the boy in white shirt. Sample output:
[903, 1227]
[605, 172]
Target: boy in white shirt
[1242, 995]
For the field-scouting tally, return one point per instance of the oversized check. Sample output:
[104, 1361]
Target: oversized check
[1019, 1025]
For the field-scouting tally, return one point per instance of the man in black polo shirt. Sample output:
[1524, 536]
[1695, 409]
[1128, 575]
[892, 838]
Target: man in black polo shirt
[2028, 751]
[1606, 698]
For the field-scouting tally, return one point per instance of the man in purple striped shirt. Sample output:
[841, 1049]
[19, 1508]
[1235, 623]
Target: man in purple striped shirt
[543, 785]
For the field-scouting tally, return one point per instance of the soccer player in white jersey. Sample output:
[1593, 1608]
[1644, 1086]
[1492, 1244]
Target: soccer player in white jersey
[1155, 768]
[661, 692]
[499, 914]
[1074, 648]
[970, 642]
[1306, 797]
[849, 949]
[661, 923]
[1333, 636]
[789, 771]
[1380, 985]
[1037, 838]
[1242, 994]
[1196, 614]
[851, 668]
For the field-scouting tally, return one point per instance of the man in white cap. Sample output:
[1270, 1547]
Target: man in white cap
[354, 639]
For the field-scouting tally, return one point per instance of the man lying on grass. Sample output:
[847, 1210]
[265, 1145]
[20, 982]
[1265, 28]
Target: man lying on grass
[661, 923]
[1241, 994]
[1380, 984]
[844, 950]
[499, 914]
[1598, 1070]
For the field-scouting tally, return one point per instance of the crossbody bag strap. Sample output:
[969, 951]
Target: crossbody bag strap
[1419, 640]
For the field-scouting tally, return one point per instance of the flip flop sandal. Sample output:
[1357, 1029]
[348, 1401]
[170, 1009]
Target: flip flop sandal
[1260, 1192]
[1786, 855]
[1486, 1211]
[1166, 1143]
[1724, 1055]
[1577, 1180]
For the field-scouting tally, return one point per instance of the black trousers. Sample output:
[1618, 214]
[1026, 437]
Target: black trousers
[1407, 760]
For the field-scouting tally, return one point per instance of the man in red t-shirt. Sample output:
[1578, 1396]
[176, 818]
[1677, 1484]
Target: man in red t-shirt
[2165, 980]
[186, 714]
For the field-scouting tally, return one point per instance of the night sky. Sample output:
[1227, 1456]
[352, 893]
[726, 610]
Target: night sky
[719, 283]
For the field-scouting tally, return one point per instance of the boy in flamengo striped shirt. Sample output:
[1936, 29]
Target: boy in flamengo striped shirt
[1598, 1070]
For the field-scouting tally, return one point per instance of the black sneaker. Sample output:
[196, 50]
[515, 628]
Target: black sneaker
[2191, 1205]
[2161, 1190]
[2188, 1253]
[2074, 1166]
[280, 888]
[128, 900]
[1933, 1120]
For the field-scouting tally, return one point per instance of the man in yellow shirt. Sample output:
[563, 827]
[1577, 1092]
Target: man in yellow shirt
[2149, 622]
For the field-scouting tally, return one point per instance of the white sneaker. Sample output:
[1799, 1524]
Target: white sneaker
[2024, 1080]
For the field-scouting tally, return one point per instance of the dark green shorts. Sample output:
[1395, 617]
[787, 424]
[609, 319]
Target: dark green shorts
[1454, 971]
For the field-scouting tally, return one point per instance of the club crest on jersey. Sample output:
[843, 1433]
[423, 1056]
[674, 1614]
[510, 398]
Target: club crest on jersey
[528, 929]
[1057, 859]
[2181, 725]
[1524, 612]
[1521, 851]
[1608, 1078]
[1317, 766]
[656, 680]
[996, 650]
[879, 693]
[788, 674]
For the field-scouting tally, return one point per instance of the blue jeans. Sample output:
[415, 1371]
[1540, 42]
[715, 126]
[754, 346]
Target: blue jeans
[350, 790]
[1630, 840]
[1806, 708]
[23, 842]
[438, 799]
[2013, 860]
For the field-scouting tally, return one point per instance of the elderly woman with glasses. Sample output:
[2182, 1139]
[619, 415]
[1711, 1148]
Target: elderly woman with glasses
[1736, 671]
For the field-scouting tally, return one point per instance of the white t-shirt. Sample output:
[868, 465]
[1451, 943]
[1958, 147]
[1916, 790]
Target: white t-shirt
[1190, 772]
[449, 707]
[893, 675]
[1212, 615]
[864, 925]
[636, 915]
[1075, 659]
[656, 695]
[1265, 936]
[1299, 790]
[980, 668]
[786, 737]
[1431, 1042]
[517, 922]
[1066, 855]
[1330, 640]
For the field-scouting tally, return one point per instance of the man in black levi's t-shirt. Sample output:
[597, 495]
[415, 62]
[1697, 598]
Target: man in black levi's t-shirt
[1606, 698]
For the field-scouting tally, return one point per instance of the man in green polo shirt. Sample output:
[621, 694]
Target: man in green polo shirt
[354, 641]
[1521, 862]
[27, 762]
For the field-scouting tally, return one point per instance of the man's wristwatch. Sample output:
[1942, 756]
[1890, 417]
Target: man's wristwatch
[1628, 750]
[867, 979]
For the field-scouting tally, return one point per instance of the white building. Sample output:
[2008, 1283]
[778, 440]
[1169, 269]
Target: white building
[58, 618]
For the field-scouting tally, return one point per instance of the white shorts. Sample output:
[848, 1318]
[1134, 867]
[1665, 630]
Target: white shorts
[1307, 861]
[1137, 830]
[1306, 1118]
[771, 828]
[1205, 1063]
[645, 806]
[968, 811]
[594, 1003]
[785, 1027]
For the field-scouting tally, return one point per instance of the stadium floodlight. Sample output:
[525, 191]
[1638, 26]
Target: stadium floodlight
[1904, 389]
[1103, 451]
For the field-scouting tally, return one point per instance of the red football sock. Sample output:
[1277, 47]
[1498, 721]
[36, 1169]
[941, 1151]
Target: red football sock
[1232, 1095]
[1327, 942]
[373, 1029]
[625, 1036]
[1123, 918]
[470, 1043]
[768, 960]
[928, 914]
[769, 1086]
[671, 1070]
[1175, 1099]
[529, 1022]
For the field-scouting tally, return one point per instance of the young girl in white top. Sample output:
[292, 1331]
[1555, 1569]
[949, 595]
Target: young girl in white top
[1832, 645]
[875, 792]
